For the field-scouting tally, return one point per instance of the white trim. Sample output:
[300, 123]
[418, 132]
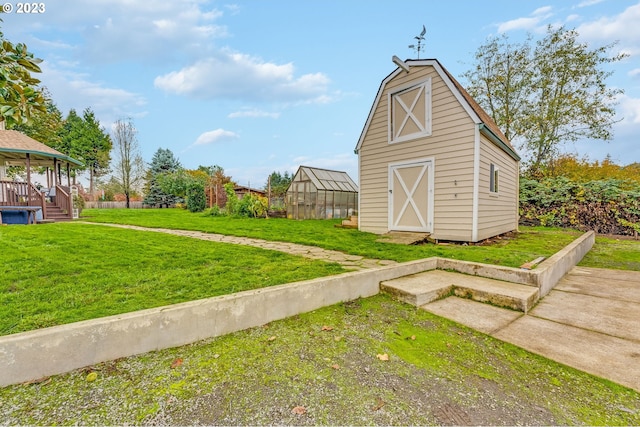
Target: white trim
[359, 193]
[427, 223]
[476, 184]
[494, 185]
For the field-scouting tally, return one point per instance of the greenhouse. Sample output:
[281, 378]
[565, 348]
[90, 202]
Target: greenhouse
[321, 194]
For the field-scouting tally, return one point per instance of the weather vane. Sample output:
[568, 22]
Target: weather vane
[420, 38]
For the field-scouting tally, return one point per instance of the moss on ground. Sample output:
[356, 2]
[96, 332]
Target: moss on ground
[327, 367]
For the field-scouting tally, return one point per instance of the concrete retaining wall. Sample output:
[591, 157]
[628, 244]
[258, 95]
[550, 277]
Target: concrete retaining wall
[41, 353]
[545, 276]
[37, 354]
[551, 270]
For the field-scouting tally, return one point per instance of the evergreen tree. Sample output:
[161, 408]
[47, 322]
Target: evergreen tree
[95, 149]
[162, 163]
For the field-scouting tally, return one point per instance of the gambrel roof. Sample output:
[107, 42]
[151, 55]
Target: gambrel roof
[487, 126]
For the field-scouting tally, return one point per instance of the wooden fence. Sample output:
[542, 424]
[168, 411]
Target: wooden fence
[112, 205]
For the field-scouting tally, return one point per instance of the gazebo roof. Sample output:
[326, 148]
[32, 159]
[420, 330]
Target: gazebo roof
[14, 147]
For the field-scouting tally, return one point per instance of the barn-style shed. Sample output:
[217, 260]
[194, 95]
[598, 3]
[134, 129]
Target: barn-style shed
[431, 160]
[321, 194]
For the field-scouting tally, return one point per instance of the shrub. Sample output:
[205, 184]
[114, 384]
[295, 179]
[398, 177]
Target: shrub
[196, 199]
[609, 206]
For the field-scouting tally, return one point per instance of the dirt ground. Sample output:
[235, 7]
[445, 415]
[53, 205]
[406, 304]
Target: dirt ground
[370, 362]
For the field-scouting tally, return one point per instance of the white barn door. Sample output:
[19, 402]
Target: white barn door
[411, 196]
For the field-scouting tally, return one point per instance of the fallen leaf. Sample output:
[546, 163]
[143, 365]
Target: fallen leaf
[379, 404]
[448, 345]
[337, 338]
[327, 328]
[336, 366]
[299, 410]
[176, 363]
[413, 337]
[384, 356]
[92, 376]
[272, 338]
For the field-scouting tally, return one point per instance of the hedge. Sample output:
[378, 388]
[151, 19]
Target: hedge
[607, 206]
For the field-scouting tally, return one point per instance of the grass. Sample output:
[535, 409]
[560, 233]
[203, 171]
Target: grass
[52, 274]
[60, 273]
[438, 373]
[613, 253]
[528, 245]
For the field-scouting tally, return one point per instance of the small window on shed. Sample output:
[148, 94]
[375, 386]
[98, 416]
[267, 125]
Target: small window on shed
[494, 173]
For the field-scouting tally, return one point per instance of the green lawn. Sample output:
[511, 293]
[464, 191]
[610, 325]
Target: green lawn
[52, 274]
[531, 243]
[613, 253]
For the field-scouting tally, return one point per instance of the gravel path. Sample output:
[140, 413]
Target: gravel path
[353, 262]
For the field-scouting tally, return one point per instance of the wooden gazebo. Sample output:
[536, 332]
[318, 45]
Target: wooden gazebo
[53, 202]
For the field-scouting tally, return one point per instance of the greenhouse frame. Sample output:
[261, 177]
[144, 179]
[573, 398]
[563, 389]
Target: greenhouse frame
[321, 194]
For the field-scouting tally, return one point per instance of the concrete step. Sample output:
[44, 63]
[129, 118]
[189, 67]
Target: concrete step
[423, 288]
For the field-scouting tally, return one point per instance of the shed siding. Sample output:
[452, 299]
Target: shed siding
[497, 213]
[450, 145]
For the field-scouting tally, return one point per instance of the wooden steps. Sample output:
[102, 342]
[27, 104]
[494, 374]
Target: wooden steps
[54, 213]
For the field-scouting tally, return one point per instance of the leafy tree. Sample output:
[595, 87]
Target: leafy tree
[46, 126]
[162, 163]
[19, 95]
[546, 95]
[278, 184]
[129, 167]
[582, 170]
[214, 187]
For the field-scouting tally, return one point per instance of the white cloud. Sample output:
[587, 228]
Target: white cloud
[623, 27]
[532, 22]
[629, 111]
[240, 76]
[215, 136]
[635, 73]
[72, 89]
[587, 3]
[253, 113]
[111, 31]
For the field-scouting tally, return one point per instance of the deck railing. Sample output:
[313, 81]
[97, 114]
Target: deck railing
[13, 193]
[63, 199]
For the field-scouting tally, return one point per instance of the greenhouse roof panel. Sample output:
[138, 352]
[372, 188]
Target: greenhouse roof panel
[325, 179]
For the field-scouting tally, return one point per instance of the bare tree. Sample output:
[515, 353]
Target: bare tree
[129, 168]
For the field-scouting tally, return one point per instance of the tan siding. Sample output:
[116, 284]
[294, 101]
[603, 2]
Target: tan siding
[497, 214]
[451, 147]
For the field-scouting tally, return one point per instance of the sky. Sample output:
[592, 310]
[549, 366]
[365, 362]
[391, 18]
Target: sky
[257, 86]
